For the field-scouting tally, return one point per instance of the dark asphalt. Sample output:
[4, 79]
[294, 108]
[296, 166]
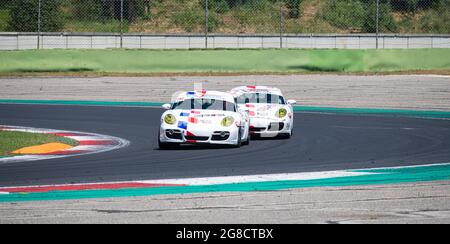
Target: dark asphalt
[321, 142]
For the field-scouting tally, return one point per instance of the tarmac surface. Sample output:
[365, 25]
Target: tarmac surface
[321, 142]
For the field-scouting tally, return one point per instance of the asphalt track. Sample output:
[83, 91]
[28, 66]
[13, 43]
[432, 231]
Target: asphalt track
[321, 142]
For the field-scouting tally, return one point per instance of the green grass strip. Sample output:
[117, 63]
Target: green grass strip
[380, 176]
[224, 61]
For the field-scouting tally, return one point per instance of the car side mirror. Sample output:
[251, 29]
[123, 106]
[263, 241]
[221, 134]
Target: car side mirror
[167, 106]
[292, 102]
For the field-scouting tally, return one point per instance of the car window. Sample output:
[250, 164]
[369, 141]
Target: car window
[205, 104]
[260, 98]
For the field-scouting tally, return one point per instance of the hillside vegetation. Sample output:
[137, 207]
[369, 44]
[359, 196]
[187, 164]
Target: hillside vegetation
[229, 16]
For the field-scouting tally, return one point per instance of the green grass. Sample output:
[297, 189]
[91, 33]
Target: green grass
[12, 140]
[225, 61]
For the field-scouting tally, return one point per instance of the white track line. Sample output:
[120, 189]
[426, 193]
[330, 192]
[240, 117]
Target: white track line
[257, 178]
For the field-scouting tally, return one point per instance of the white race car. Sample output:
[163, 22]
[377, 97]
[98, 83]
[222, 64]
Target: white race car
[270, 114]
[204, 117]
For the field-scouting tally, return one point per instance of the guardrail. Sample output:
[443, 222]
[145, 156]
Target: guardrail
[52, 40]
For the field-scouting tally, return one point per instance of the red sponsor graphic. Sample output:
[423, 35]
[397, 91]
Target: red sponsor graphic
[251, 87]
[251, 113]
[195, 112]
[99, 186]
[250, 105]
[192, 120]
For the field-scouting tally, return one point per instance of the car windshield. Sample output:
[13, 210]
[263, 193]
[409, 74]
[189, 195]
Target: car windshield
[260, 98]
[205, 104]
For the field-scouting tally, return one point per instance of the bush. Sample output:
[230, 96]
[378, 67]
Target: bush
[345, 14]
[24, 16]
[88, 10]
[386, 21]
[293, 7]
[357, 15]
[193, 20]
[437, 20]
[218, 6]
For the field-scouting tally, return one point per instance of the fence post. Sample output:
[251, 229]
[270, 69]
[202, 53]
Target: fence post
[378, 22]
[39, 25]
[206, 23]
[281, 24]
[121, 24]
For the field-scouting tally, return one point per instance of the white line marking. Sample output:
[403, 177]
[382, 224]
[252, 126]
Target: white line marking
[89, 138]
[88, 148]
[25, 158]
[257, 178]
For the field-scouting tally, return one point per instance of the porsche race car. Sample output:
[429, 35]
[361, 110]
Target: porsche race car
[203, 117]
[270, 113]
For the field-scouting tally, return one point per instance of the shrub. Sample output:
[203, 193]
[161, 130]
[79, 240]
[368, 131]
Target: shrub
[345, 14]
[24, 16]
[386, 21]
[293, 7]
[437, 20]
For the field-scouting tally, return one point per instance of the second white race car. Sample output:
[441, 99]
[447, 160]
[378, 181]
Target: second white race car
[270, 113]
[204, 117]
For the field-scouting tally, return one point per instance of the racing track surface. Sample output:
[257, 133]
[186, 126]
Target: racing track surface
[321, 142]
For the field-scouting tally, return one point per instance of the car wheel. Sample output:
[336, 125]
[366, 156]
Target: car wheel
[239, 143]
[286, 135]
[247, 142]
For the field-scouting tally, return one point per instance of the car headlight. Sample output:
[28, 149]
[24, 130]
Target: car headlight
[170, 119]
[227, 121]
[281, 113]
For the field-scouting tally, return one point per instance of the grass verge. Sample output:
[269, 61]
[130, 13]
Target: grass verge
[244, 61]
[12, 140]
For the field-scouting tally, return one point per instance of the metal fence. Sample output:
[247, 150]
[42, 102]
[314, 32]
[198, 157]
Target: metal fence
[203, 23]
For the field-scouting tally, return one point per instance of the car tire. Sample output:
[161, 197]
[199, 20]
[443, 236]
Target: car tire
[286, 135]
[247, 142]
[239, 143]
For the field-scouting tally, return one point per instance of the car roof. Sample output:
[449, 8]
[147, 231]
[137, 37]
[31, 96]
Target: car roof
[255, 89]
[207, 95]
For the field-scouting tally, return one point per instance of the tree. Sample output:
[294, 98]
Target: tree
[24, 16]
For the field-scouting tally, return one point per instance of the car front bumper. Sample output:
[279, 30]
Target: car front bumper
[270, 127]
[217, 136]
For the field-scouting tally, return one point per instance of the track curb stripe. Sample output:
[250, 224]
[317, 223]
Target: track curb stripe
[88, 143]
[379, 176]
